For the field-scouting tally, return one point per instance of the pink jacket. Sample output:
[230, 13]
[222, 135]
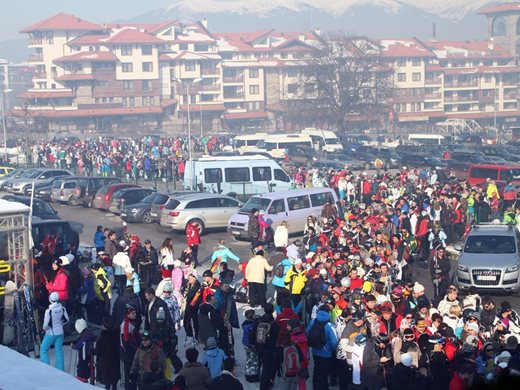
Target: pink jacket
[60, 284]
[177, 276]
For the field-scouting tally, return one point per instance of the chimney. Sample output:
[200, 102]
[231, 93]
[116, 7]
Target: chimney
[204, 22]
[317, 31]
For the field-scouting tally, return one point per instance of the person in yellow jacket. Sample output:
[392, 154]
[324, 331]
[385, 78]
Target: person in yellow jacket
[295, 281]
[102, 286]
[492, 189]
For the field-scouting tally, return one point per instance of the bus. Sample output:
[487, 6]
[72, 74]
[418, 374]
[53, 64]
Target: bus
[427, 139]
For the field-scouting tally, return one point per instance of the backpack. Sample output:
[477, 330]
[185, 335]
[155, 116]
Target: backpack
[316, 337]
[278, 271]
[291, 366]
[262, 333]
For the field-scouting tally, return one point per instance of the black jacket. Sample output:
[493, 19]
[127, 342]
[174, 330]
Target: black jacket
[120, 307]
[150, 314]
[225, 381]
[107, 352]
[210, 323]
[151, 381]
[369, 370]
[440, 268]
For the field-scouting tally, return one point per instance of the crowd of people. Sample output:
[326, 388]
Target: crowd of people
[344, 300]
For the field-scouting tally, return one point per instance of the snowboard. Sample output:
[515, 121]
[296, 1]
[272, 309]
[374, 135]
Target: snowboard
[9, 319]
[32, 316]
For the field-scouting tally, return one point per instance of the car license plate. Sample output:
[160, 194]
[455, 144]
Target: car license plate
[123, 215]
[487, 277]
[235, 232]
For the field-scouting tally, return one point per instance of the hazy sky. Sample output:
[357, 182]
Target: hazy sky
[17, 14]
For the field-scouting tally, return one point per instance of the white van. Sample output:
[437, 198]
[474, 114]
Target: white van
[276, 144]
[245, 143]
[291, 206]
[427, 139]
[323, 140]
[236, 175]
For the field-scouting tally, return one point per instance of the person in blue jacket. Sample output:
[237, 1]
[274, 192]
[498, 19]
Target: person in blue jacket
[322, 356]
[132, 279]
[279, 281]
[224, 253]
[99, 239]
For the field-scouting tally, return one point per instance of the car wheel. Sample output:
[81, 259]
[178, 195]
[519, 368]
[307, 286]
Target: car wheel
[200, 225]
[73, 201]
[147, 218]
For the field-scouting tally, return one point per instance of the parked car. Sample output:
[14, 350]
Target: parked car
[206, 210]
[159, 203]
[5, 170]
[22, 184]
[41, 208]
[64, 188]
[141, 212]
[43, 190]
[87, 188]
[4, 180]
[127, 196]
[353, 163]
[68, 232]
[301, 155]
[104, 195]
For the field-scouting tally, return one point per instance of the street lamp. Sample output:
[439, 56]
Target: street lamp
[4, 127]
[194, 81]
[200, 112]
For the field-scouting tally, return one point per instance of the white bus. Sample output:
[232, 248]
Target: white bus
[323, 140]
[245, 143]
[236, 175]
[276, 144]
[427, 139]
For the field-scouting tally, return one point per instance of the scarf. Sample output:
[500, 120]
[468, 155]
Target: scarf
[126, 331]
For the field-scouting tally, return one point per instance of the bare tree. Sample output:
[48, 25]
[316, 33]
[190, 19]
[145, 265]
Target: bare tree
[345, 78]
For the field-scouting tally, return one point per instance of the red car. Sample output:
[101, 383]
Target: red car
[104, 195]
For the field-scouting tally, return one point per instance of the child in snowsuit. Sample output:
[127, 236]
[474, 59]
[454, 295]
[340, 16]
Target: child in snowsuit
[252, 366]
[213, 357]
[84, 345]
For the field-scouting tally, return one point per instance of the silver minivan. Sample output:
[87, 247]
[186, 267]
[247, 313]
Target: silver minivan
[208, 211]
[63, 189]
[291, 206]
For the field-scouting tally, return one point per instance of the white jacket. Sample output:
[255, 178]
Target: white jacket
[59, 317]
[120, 262]
[281, 237]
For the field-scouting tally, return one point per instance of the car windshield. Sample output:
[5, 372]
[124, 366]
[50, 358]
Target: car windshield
[511, 174]
[255, 203]
[490, 244]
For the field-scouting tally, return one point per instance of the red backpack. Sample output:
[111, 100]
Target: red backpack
[291, 366]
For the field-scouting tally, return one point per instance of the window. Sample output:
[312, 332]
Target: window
[237, 175]
[127, 67]
[292, 73]
[261, 173]
[309, 88]
[277, 206]
[321, 198]
[416, 62]
[124, 101]
[416, 76]
[490, 244]
[298, 202]
[201, 47]
[401, 62]
[146, 50]
[202, 204]
[190, 66]
[213, 175]
[183, 46]
[280, 175]
[254, 73]
[292, 88]
[147, 66]
[126, 50]
[128, 85]
[102, 83]
[225, 202]
[254, 89]
[146, 85]
[132, 101]
[484, 173]
[401, 77]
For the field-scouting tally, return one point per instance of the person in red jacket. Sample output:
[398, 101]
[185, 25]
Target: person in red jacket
[355, 281]
[421, 234]
[193, 240]
[60, 282]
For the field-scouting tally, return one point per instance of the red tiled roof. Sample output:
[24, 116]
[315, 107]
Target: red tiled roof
[45, 94]
[62, 21]
[89, 39]
[404, 48]
[245, 115]
[500, 8]
[94, 56]
[90, 112]
[73, 77]
[256, 35]
[152, 28]
[203, 107]
[132, 35]
[243, 41]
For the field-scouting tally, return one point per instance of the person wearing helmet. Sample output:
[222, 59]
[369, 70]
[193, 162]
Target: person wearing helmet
[55, 317]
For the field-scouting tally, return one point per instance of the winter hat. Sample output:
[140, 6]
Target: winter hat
[167, 287]
[70, 257]
[504, 322]
[512, 343]
[249, 314]
[309, 255]
[361, 339]
[54, 297]
[406, 359]
[312, 273]
[408, 334]
[398, 291]
[502, 360]
[505, 307]
[345, 282]
[177, 263]
[64, 260]
[211, 343]
[161, 315]
[418, 287]
[472, 340]
[386, 306]
[323, 272]
[337, 290]
[80, 325]
[298, 261]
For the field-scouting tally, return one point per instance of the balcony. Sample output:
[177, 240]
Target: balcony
[234, 79]
[461, 84]
[510, 96]
[210, 71]
[35, 58]
[228, 96]
[510, 83]
[433, 96]
[210, 88]
[458, 99]
[433, 81]
[35, 42]
[39, 75]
